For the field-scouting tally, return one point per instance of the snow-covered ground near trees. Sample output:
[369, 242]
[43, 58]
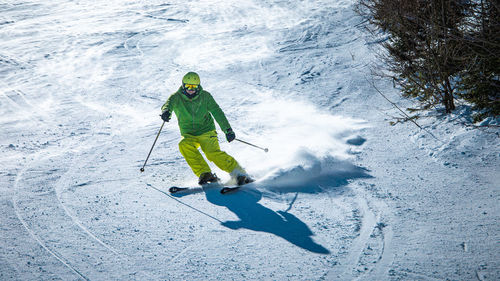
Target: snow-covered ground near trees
[341, 194]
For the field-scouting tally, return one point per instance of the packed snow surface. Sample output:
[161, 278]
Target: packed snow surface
[341, 195]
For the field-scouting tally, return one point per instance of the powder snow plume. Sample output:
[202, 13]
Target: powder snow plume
[306, 145]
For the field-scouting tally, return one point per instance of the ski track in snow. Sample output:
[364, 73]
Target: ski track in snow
[367, 225]
[46, 239]
[78, 223]
[54, 253]
[81, 87]
[353, 267]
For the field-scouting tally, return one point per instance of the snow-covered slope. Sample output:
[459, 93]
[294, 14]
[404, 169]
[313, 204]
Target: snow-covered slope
[341, 195]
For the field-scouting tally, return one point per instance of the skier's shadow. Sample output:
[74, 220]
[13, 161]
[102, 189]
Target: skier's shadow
[254, 216]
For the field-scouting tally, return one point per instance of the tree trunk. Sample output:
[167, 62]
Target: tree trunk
[449, 102]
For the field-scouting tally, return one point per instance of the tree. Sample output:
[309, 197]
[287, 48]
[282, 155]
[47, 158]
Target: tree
[481, 80]
[441, 50]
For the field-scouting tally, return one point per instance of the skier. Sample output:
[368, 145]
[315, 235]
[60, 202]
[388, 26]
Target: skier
[194, 108]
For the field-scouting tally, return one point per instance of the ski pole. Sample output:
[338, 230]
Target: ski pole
[142, 169]
[265, 149]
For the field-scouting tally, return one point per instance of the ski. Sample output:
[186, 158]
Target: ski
[241, 182]
[228, 189]
[175, 189]
[224, 190]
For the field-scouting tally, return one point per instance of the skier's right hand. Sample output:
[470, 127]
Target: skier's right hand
[230, 136]
[165, 115]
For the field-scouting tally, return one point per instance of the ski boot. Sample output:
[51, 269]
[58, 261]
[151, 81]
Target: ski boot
[206, 178]
[243, 179]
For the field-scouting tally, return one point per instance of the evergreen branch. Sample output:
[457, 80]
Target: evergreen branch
[402, 111]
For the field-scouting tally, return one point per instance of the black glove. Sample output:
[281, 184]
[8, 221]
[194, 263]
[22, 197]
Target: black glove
[230, 136]
[165, 115]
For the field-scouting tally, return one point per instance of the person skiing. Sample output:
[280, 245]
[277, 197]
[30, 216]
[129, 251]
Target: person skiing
[196, 109]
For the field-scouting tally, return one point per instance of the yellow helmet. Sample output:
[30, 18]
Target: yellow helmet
[191, 78]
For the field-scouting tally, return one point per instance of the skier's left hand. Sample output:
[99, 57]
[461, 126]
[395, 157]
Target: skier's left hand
[230, 136]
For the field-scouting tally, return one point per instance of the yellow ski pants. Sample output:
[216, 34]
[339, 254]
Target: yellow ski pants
[209, 144]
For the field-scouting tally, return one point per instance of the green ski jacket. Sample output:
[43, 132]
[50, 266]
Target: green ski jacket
[195, 115]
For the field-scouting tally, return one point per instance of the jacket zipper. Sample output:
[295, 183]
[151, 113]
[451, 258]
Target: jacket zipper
[193, 111]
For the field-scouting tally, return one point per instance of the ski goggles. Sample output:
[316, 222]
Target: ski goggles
[191, 86]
